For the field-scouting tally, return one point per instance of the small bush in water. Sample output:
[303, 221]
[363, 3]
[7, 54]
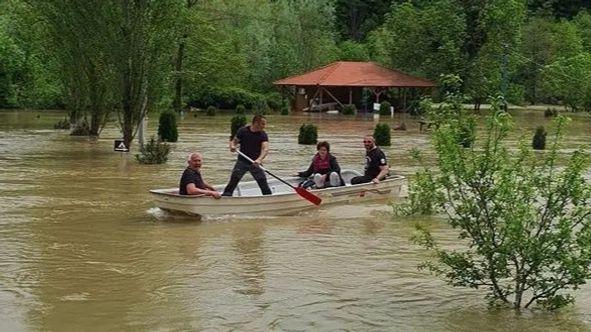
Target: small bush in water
[382, 134]
[240, 109]
[167, 128]
[550, 112]
[237, 122]
[539, 140]
[308, 134]
[349, 110]
[62, 124]
[385, 108]
[153, 152]
[210, 111]
[81, 128]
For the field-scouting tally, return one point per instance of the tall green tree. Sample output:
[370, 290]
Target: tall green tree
[356, 18]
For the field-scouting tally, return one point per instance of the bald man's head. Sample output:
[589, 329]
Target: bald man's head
[195, 160]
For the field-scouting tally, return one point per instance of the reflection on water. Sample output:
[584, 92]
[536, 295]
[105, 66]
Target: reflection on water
[84, 249]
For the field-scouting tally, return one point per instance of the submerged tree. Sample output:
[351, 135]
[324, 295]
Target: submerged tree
[526, 218]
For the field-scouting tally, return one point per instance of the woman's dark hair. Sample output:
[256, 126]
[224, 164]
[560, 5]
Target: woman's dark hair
[323, 144]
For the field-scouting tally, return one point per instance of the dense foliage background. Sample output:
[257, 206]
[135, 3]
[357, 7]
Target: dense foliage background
[51, 52]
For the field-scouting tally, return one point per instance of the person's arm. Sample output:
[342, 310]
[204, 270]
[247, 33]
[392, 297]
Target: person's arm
[264, 152]
[384, 169]
[308, 172]
[233, 144]
[193, 190]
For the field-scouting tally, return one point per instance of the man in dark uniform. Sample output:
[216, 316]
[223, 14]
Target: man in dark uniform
[254, 143]
[376, 165]
[192, 183]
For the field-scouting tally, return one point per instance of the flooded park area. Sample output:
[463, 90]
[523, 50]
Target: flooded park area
[84, 248]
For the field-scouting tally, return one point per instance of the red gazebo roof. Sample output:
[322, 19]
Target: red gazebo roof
[359, 74]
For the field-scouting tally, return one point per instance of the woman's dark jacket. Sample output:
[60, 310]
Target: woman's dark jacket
[332, 167]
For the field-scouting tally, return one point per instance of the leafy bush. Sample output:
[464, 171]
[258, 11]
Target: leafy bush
[210, 111]
[308, 134]
[274, 100]
[240, 109]
[285, 110]
[382, 134]
[225, 98]
[82, 128]
[153, 152]
[385, 108]
[525, 218]
[550, 112]
[62, 124]
[167, 127]
[237, 122]
[467, 132]
[349, 109]
[539, 140]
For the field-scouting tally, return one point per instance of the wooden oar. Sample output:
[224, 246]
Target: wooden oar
[301, 191]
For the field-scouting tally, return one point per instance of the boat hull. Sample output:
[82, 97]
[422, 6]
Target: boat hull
[283, 201]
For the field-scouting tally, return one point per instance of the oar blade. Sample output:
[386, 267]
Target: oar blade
[308, 195]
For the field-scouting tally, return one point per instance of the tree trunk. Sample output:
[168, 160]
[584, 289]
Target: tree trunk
[178, 85]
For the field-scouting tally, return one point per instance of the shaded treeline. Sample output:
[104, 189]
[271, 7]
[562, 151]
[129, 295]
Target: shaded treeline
[105, 58]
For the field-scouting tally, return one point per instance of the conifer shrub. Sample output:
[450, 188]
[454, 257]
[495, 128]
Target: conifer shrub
[349, 109]
[237, 122]
[210, 111]
[153, 152]
[308, 134]
[381, 134]
[240, 109]
[167, 127]
[385, 108]
[539, 140]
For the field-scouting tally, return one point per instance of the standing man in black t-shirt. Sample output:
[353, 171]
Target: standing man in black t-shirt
[254, 143]
[376, 165]
[191, 182]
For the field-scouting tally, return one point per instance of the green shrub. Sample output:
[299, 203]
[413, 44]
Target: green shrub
[385, 108]
[308, 134]
[274, 100]
[240, 109]
[285, 110]
[82, 128]
[224, 98]
[381, 134]
[539, 140]
[153, 152]
[237, 122]
[349, 109]
[550, 112]
[62, 124]
[167, 128]
[210, 111]
[467, 132]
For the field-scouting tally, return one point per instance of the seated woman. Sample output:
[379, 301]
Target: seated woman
[324, 169]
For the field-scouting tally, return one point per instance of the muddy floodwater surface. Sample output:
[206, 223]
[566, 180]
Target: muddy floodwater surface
[82, 248]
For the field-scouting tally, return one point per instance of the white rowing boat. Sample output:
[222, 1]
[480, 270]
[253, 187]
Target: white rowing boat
[247, 198]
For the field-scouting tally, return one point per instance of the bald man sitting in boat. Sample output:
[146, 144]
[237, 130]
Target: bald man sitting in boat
[192, 183]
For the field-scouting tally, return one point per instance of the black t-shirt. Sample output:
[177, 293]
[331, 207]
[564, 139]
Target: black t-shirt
[250, 142]
[190, 176]
[373, 160]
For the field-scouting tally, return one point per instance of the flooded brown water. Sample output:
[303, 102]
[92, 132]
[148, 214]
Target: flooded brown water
[82, 248]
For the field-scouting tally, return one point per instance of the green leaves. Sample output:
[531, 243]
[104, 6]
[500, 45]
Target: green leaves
[526, 217]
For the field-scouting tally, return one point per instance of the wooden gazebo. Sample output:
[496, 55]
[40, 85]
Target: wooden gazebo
[341, 83]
